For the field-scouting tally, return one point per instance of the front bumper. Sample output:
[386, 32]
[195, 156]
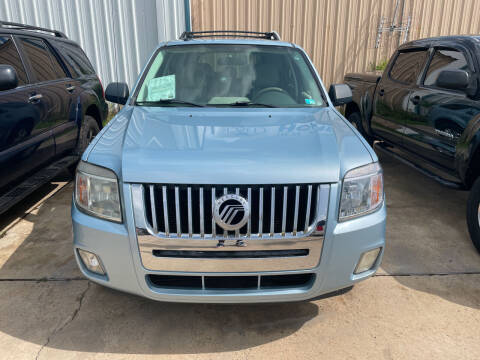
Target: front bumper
[118, 248]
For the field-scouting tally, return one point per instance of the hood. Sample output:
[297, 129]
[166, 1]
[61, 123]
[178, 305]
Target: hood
[232, 146]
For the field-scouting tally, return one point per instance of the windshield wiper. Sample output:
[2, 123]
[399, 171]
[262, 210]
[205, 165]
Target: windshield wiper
[168, 102]
[250, 103]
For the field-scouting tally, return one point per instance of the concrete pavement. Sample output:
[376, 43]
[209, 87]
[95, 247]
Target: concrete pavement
[424, 303]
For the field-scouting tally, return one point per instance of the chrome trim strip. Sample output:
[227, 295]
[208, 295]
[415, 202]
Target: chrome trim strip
[249, 224]
[154, 210]
[295, 218]
[202, 217]
[225, 232]
[284, 214]
[177, 212]
[165, 210]
[237, 232]
[189, 202]
[323, 195]
[272, 212]
[149, 242]
[260, 213]
[309, 205]
[214, 224]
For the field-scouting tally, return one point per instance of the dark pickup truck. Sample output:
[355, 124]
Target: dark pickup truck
[425, 109]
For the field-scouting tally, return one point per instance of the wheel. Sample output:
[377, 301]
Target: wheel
[356, 120]
[88, 131]
[473, 214]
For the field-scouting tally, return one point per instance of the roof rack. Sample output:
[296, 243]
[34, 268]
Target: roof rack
[18, 26]
[189, 35]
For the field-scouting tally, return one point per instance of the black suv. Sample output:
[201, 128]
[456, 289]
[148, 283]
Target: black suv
[52, 104]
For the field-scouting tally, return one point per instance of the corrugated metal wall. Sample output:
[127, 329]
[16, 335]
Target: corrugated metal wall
[339, 35]
[117, 35]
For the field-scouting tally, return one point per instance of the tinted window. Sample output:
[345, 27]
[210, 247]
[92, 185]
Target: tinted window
[76, 60]
[44, 65]
[444, 60]
[9, 56]
[408, 65]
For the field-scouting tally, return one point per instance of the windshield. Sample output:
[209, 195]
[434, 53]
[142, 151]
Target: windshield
[229, 75]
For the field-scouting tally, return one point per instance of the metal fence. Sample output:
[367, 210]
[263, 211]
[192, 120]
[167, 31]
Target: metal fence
[117, 35]
[341, 35]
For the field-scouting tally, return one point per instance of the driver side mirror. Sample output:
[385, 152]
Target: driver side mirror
[340, 94]
[8, 77]
[117, 92]
[453, 79]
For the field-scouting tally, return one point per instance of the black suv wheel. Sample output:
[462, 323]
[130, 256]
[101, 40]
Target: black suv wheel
[473, 214]
[88, 131]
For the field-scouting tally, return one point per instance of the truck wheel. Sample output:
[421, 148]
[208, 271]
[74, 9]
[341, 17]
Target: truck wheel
[88, 131]
[356, 120]
[473, 214]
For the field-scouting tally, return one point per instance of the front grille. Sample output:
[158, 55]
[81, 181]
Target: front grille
[187, 210]
[257, 282]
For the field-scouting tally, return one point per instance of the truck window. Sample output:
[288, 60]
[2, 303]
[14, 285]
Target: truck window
[408, 65]
[44, 65]
[9, 56]
[444, 59]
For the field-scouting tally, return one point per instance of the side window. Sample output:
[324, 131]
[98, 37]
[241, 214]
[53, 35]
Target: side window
[76, 60]
[44, 65]
[9, 56]
[444, 59]
[408, 65]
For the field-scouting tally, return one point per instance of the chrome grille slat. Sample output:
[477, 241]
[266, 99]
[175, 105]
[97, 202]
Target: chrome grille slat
[165, 210]
[189, 197]
[309, 205]
[202, 217]
[260, 212]
[214, 227]
[177, 212]
[295, 216]
[153, 207]
[186, 211]
[284, 211]
[272, 212]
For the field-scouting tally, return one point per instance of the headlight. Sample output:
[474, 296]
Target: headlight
[96, 192]
[362, 191]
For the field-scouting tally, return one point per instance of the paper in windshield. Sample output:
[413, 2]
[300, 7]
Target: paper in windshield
[161, 88]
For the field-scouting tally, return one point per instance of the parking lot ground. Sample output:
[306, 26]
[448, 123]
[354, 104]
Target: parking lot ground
[424, 303]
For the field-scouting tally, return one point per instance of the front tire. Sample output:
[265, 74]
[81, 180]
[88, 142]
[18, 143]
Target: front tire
[356, 120]
[88, 131]
[473, 214]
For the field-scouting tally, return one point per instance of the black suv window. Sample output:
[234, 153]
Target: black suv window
[9, 56]
[444, 59]
[75, 59]
[407, 66]
[44, 64]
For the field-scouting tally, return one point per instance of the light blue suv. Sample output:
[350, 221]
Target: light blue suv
[229, 176]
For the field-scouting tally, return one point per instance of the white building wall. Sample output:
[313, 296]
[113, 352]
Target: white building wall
[117, 35]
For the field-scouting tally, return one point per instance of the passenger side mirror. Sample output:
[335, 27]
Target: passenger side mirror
[453, 79]
[117, 93]
[340, 94]
[8, 77]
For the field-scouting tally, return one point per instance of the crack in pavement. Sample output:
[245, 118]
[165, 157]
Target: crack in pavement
[44, 279]
[72, 317]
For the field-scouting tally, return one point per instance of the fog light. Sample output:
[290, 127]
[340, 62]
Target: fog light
[91, 262]
[367, 260]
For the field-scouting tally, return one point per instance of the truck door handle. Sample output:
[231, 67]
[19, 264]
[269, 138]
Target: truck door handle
[35, 98]
[381, 92]
[415, 100]
[70, 88]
